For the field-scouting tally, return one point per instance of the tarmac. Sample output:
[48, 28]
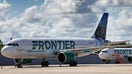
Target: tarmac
[65, 69]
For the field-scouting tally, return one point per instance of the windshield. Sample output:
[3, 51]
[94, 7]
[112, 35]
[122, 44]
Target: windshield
[104, 52]
[12, 44]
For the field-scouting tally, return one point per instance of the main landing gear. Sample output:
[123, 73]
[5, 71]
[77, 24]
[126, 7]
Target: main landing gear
[71, 64]
[18, 63]
[74, 63]
[44, 63]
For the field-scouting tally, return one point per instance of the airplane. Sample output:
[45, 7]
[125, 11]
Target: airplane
[109, 54]
[64, 50]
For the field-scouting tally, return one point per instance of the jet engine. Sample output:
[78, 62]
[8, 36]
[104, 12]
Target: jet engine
[67, 58]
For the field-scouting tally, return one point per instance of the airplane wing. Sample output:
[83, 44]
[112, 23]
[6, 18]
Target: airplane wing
[119, 42]
[85, 51]
[93, 50]
[88, 51]
[81, 51]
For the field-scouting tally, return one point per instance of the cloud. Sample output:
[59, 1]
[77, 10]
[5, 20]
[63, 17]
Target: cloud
[5, 36]
[120, 27]
[68, 18]
[4, 8]
[68, 6]
[101, 6]
[29, 14]
[108, 3]
[73, 13]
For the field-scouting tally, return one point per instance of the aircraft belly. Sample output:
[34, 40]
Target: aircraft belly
[40, 54]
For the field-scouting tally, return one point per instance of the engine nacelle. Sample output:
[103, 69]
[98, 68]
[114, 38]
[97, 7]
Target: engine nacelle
[23, 61]
[66, 57]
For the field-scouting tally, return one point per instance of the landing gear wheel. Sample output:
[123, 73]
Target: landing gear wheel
[74, 63]
[106, 61]
[117, 62]
[19, 65]
[129, 59]
[44, 63]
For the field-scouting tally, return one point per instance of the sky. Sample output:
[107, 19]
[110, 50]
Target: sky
[64, 18]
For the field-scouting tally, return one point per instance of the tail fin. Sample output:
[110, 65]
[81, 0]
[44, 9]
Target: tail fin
[100, 32]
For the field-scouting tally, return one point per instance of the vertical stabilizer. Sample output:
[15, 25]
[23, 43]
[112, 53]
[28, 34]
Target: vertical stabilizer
[100, 32]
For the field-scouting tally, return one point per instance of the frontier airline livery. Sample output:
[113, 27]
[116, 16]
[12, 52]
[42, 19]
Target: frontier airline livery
[109, 54]
[64, 50]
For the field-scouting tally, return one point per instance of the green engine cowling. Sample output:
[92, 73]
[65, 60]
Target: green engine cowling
[23, 61]
[66, 57]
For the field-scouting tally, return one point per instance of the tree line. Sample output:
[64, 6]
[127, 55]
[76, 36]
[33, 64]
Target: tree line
[1, 45]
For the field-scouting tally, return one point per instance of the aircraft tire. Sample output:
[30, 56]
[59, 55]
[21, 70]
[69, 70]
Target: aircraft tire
[73, 63]
[117, 62]
[19, 66]
[44, 63]
[105, 61]
[129, 59]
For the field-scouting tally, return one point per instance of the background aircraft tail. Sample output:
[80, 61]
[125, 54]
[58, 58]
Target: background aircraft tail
[100, 32]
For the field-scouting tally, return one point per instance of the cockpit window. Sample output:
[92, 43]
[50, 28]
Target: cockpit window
[104, 52]
[12, 44]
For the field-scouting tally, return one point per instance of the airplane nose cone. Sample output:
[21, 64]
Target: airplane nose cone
[5, 51]
[102, 56]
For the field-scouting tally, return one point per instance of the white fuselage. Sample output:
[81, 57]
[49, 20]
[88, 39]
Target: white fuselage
[44, 48]
[111, 53]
